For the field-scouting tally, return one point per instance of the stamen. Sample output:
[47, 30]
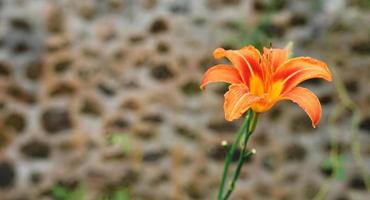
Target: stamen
[271, 49]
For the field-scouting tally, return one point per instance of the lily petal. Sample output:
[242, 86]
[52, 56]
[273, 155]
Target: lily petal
[296, 70]
[246, 61]
[251, 53]
[237, 101]
[307, 100]
[277, 56]
[221, 73]
[253, 56]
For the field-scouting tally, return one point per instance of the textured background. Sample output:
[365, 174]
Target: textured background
[100, 99]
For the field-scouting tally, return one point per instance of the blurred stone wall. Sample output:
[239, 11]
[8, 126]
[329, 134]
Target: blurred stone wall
[105, 94]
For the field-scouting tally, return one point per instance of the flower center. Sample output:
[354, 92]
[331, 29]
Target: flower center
[270, 93]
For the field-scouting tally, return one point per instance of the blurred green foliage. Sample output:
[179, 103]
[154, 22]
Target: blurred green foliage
[364, 4]
[260, 35]
[317, 5]
[121, 140]
[335, 164]
[60, 192]
[257, 36]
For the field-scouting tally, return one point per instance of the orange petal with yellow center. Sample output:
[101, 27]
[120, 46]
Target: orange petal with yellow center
[296, 70]
[307, 100]
[237, 101]
[246, 61]
[221, 73]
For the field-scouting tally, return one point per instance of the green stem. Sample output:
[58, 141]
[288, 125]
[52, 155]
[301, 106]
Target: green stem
[237, 172]
[250, 117]
[244, 155]
[231, 152]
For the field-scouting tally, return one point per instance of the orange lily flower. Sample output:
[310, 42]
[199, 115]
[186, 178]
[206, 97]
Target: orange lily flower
[260, 81]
